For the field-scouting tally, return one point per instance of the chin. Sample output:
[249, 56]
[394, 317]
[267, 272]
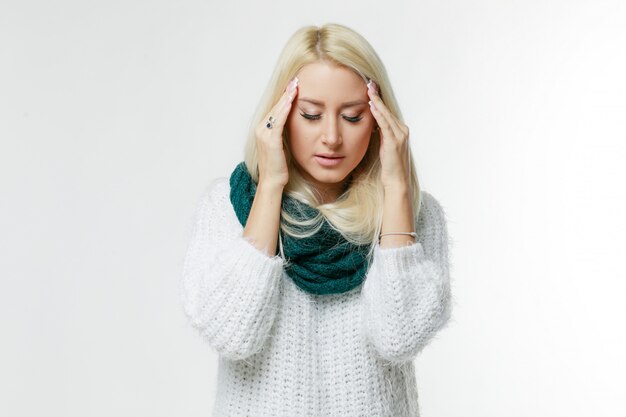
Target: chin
[328, 175]
[319, 176]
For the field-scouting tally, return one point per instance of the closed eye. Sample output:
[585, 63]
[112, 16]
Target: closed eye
[354, 119]
[311, 116]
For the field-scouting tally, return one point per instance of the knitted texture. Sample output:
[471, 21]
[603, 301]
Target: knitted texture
[325, 263]
[285, 352]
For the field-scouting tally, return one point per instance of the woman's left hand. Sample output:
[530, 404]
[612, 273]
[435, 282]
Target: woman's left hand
[394, 142]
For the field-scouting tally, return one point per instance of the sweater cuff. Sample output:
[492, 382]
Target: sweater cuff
[258, 255]
[401, 258]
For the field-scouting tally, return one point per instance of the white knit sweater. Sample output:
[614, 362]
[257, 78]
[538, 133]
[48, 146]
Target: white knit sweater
[284, 352]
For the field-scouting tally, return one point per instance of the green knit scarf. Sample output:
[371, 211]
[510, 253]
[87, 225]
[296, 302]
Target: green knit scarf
[324, 263]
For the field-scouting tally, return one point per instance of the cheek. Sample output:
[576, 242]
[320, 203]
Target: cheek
[297, 134]
[361, 135]
[361, 142]
[294, 124]
[300, 131]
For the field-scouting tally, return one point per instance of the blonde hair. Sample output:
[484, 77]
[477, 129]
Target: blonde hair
[357, 213]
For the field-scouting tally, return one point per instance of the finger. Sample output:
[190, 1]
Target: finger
[386, 120]
[393, 123]
[291, 92]
[281, 109]
[383, 124]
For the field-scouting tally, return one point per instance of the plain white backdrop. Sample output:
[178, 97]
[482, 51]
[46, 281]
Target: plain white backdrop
[114, 116]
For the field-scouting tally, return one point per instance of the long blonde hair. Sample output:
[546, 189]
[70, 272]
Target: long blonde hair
[357, 213]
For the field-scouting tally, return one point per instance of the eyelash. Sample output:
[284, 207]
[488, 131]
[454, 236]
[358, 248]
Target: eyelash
[355, 119]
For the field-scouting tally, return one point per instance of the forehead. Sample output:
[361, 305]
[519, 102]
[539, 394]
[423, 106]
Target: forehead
[330, 83]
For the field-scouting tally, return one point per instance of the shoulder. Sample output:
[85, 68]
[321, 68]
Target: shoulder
[431, 211]
[430, 202]
[217, 190]
[214, 200]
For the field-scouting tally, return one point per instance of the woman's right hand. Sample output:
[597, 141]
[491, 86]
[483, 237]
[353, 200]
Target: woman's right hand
[270, 152]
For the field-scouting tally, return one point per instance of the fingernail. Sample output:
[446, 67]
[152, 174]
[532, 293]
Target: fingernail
[371, 103]
[371, 86]
[293, 84]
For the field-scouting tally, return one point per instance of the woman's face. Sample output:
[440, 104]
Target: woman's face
[329, 125]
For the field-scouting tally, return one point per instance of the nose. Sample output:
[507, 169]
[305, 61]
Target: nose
[331, 135]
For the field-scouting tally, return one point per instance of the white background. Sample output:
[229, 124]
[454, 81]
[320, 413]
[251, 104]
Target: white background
[114, 116]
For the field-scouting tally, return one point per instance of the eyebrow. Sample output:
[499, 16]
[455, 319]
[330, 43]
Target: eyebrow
[321, 103]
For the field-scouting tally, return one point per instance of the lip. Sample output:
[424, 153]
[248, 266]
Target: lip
[329, 155]
[328, 161]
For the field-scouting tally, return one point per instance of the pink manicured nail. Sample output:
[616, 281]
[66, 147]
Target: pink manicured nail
[372, 87]
[371, 103]
[293, 84]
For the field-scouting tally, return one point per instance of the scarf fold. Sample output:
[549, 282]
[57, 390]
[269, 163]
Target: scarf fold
[324, 263]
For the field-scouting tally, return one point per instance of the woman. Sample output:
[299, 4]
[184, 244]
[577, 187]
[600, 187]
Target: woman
[319, 270]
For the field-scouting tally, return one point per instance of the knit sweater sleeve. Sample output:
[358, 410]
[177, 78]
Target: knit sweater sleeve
[229, 288]
[406, 297]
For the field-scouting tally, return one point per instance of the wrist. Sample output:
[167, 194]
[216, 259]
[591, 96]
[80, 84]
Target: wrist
[270, 186]
[397, 192]
[397, 186]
